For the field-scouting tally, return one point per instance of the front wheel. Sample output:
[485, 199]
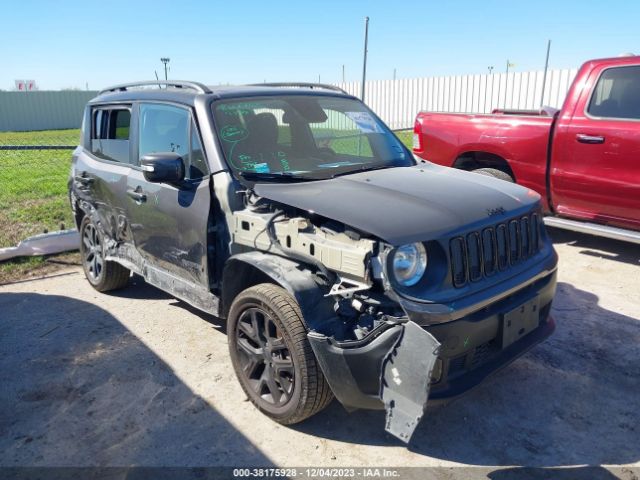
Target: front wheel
[272, 357]
[103, 275]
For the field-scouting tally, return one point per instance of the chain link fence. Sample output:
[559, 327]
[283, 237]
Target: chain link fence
[34, 167]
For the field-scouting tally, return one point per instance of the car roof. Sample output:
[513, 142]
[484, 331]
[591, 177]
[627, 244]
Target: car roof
[190, 91]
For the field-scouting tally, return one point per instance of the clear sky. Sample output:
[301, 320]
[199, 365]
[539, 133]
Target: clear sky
[73, 43]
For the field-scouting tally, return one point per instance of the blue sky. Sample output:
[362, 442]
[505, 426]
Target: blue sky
[72, 43]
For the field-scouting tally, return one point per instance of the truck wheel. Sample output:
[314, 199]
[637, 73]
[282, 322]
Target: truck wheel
[495, 173]
[272, 357]
[102, 275]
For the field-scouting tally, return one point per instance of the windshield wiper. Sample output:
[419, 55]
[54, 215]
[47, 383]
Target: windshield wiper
[364, 168]
[270, 176]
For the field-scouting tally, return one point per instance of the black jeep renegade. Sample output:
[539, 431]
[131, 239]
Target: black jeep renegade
[343, 266]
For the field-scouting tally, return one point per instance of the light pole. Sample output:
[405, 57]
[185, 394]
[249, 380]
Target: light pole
[506, 83]
[544, 76]
[364, 62]
[165, 60]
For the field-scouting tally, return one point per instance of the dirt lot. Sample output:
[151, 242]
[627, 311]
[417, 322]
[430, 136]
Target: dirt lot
[138, 378]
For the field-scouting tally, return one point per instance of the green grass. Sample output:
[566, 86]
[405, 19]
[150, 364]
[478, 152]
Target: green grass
[33, 196]
[45, 137]
[406, 137]
[33, 184]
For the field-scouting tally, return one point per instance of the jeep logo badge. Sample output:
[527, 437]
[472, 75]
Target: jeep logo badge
[492, 212]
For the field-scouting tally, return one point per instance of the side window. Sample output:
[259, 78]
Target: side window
[198, 164]
[341, 134]
[110, 133]
[617, 94]
[163, 128]
[121, 123]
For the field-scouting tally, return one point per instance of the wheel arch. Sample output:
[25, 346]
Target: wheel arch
[245, 270]
[474, 159]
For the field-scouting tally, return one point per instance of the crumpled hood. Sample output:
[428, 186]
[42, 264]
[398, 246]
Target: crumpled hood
[407, 204]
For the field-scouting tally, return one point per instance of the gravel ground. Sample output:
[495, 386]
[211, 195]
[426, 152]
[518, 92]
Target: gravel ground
[138, 378]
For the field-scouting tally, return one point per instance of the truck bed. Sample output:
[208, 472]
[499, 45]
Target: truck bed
[462, 140]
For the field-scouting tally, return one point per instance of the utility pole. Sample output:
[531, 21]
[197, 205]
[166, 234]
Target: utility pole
[544, 75]
[394, 73]
[165, 60]
[319, 78]
[343, 73]
[364, 63]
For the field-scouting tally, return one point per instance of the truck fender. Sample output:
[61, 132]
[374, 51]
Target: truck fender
[244, 270]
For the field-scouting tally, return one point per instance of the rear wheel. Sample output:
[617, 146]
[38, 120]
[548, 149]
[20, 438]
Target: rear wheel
[272, 357]
[103, 275]
[495, 173]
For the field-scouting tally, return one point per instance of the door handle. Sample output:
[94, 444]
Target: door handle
[137, 195]
[592, 139]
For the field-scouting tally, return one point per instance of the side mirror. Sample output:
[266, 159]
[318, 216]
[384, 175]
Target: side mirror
[164, 167]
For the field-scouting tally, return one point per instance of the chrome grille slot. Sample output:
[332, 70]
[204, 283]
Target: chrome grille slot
[525, 235]
[535, 232]
[474, 256]
[458, 262]
[514, 242]
[502, 246]
[489, 256]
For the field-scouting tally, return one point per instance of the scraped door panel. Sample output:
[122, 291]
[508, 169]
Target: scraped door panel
[169, 222]
[170, 226]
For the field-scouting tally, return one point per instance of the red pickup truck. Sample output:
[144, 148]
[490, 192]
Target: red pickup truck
[584, 160]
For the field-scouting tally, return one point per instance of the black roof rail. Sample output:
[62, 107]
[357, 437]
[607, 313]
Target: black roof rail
[199, 87]
[300, 84]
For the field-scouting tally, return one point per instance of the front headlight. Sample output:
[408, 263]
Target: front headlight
[409, 263]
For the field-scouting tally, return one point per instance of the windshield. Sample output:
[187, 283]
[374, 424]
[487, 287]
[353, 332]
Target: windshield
[304, 137]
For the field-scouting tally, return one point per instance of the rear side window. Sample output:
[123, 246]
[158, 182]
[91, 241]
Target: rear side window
[165, 128]
[110, 133]
[617, 94]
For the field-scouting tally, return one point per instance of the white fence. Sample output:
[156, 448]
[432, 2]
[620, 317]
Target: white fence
[398, 101]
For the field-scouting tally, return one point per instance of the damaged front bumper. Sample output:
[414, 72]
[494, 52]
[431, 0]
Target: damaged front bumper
[391, 368]
[405, 361]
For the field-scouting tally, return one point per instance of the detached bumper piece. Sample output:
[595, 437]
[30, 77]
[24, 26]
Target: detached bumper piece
[406, 374]
[391, 369]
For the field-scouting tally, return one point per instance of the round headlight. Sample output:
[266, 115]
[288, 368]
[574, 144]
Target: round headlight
[409, 263]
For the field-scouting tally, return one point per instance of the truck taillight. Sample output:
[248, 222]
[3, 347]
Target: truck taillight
[417, 138]
[416, 142]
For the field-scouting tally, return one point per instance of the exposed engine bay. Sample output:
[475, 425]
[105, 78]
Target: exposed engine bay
[369, 332]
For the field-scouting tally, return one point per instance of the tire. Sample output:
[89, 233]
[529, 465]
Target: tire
[286, 384]
[495, 173]
[102, 275]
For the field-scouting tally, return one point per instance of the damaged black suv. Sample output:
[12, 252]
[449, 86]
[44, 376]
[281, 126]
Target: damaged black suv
[343, 266]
